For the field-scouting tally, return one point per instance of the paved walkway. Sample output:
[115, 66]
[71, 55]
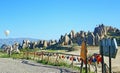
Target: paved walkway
[8, 65]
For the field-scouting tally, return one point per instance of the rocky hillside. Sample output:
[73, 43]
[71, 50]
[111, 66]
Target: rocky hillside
[92, 38]
[72, 38]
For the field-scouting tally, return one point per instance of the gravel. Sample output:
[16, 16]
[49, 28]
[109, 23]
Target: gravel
[8, 65]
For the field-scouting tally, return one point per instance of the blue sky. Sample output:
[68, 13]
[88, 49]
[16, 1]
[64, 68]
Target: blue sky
[48, 19]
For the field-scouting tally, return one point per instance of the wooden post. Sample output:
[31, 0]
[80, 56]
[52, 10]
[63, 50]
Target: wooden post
[23, 54]
[81, 66]
[38, 56]
[89, 67]
[27, 54]
[9, 53]
[42, 55]
[56, 58]
[110, 71]
[102, 59]
[34, 56]
[48, 57]
[86, 71]
[72, 61]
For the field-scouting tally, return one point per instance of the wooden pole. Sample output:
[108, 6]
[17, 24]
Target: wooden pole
[42, 55]
[110, 71]
[34, 56]
[23, 54]
[72, 61]
[81, 66]
[48, 58]
[102, 59]
[86, 57]
[27, 54]
[56, 61]
[39, 56]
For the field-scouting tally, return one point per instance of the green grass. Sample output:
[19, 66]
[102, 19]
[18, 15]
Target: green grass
[54, 51]
[61, 64]
[17, 55]
[4, 56]
[44, 61]
[30, 50]
[14, 55]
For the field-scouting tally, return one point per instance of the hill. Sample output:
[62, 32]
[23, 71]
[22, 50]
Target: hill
[11, 41]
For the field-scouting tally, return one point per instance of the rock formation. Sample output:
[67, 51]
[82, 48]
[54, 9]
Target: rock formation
[91, 39]
[26, 44]
[72, 34]
[52, 42]
[33, 45]
[82, 34]
[97, 39]
[45, 44]
[9, 49]
[15, 48]
[101, 31]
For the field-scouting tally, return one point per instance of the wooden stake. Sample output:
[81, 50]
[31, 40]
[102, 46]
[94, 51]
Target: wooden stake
[86, 58]
[81, 66]
[48, 57]
[57, 58]
[72, 61]
[34, 56]
[42, 55]
[110, 71]
[102, 59]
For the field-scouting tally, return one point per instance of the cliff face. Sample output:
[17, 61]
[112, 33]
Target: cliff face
[92, 38]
